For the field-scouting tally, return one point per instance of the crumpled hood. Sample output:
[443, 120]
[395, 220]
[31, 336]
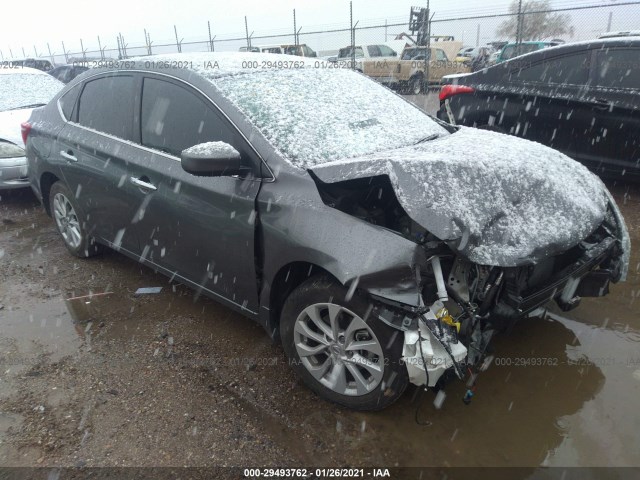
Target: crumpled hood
[497, 199]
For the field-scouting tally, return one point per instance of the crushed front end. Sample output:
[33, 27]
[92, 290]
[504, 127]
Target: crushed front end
[463, 304]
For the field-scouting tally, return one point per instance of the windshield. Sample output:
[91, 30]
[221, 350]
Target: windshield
[346, 52]
[411, 53]
[303, 115]
[25, 89]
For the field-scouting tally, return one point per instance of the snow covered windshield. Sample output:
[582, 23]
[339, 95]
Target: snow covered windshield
[313, 116]
[25, 89]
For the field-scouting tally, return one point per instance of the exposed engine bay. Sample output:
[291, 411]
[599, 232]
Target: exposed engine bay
[462, 304]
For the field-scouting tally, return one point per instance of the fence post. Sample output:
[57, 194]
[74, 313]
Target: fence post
[519, 24]
[609, 22]
[178, 42]
[64, 51]
[124, 46]
[1, 56]
[35, 51]
[353, 37]
[478, 37]
[211, 47]
[295, 29]
[246, 31]
[10, 53]
[24, 55]
[84, 56]
[147, 41]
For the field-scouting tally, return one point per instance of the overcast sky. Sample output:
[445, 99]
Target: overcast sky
[37, 22]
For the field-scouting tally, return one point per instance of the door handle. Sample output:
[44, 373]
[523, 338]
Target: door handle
[142, 184]
[68, 155]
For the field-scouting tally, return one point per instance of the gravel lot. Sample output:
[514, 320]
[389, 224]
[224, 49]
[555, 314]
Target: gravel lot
[93, 375]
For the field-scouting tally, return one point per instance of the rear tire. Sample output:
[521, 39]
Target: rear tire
[71, 222]
[339, 349]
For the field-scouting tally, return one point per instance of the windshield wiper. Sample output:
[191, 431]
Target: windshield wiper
[428, 139]
[33, 105]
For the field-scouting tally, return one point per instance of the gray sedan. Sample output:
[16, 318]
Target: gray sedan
[381, 246]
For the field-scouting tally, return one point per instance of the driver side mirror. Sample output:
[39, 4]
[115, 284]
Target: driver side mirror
[211, 159]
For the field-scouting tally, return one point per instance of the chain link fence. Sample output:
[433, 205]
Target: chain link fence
[470, 27]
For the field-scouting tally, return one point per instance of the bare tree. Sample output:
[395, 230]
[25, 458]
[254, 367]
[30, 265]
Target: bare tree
[538, 23]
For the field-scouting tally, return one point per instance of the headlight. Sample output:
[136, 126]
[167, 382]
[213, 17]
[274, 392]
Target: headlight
[10, 150]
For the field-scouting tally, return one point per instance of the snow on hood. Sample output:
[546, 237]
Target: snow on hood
[497, 199]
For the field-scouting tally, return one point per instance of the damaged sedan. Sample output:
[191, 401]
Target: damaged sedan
[380, 246]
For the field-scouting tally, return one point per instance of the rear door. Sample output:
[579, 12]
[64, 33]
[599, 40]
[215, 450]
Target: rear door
[614, 133]
[94, 148]
[198, 230]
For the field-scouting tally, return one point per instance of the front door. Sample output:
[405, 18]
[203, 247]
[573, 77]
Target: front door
[199, 230]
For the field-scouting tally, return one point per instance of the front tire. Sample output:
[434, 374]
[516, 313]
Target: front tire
[71, 222]
[339, 349]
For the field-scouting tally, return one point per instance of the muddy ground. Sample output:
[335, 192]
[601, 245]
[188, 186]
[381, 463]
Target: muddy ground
[93, 375]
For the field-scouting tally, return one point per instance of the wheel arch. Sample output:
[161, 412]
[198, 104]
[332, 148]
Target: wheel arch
[47, 179]
[286, 279]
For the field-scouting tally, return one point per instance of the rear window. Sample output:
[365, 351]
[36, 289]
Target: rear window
[106, 105]
[346, 52]
[68, 101]
[617, 68]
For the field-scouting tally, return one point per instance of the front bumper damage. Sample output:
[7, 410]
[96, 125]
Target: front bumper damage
[439, 346]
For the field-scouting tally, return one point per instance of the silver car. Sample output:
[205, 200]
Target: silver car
[21, 90]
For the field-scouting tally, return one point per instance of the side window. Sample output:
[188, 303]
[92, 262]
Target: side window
[508, 52]
[387, 51]
[106, 105]
[68, 101]
[174, 118]
[441, 56]
[617, 68]
[374, 51]
[570, 69]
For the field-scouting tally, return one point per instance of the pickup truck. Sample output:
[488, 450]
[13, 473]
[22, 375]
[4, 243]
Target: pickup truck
[408, 73]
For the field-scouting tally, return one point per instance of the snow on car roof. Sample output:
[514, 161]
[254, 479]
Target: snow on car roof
[310, 114]
[22, 87]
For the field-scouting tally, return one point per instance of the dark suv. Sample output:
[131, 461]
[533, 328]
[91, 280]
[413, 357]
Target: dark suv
[582, 99]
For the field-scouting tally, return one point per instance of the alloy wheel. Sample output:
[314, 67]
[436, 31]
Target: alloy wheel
[67, 220]
[339, 349]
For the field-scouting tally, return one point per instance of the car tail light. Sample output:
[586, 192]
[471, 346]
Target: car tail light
[25, 128]
[450, 90]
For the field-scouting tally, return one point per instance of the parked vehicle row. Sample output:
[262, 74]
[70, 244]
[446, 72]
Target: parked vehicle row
[356, 233]
[581, 99]
[21, 90]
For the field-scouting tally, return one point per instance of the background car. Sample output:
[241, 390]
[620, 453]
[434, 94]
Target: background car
[300, 50]
[21, 90]
[66, 73]
[513, 50]
[281, 205]
[581, 99]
